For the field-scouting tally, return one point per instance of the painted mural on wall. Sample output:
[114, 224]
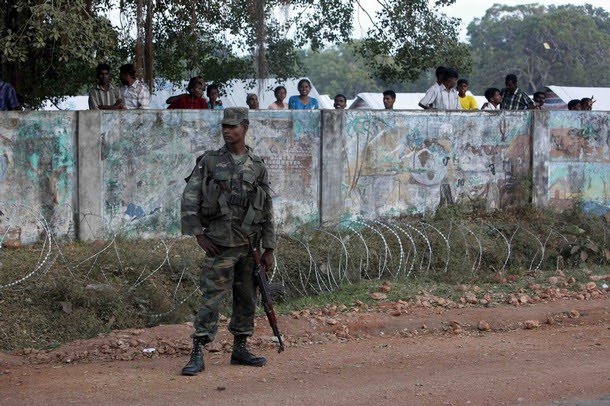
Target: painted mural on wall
[401, 163]
[147, 155]
[289, 142]
[37, 175]
[579, 161]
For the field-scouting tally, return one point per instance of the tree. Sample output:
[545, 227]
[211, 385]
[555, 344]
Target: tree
[409, 37]
[49, 48]
[238, 39]
[55, 45]
[262, 38]
[340, 69]
[562, 45]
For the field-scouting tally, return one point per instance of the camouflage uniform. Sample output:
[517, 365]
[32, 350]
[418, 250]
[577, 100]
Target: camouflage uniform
[227, 201]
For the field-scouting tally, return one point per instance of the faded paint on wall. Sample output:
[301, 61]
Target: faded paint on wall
[147, 155]
[289, 142]
[579, 161]
[399, 163]
[391, 163]
[37, 175]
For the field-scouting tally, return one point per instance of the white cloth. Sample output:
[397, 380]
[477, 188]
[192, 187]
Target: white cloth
[431, 95]
[447, 99]
[489, 106]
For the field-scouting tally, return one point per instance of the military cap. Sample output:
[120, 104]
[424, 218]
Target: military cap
[234, 115]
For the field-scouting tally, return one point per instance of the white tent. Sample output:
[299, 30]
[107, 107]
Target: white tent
[566, 93]
[404, 101]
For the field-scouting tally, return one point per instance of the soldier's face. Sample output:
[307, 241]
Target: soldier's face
[234, 134]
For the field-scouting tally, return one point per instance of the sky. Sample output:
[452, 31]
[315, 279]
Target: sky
[467, 10]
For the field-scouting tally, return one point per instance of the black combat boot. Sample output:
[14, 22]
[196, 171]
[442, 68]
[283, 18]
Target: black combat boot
[241, 355]
[195, 364]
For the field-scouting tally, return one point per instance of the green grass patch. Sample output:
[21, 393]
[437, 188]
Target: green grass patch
[78, 290]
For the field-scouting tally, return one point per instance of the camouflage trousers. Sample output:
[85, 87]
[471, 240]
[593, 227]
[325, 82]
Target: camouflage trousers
[233, 267]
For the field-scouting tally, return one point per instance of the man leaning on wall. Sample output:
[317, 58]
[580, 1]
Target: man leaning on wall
[104, 95]
[135, 93]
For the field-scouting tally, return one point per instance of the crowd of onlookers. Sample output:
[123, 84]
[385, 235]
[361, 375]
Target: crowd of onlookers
[447, 93]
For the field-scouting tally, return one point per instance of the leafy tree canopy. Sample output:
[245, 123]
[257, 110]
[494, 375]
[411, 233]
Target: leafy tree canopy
[50, 48]
[47, 47]
[340, 69]
[410, 36]
[556, 45]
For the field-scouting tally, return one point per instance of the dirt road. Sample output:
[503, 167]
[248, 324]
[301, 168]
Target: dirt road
[422, 356]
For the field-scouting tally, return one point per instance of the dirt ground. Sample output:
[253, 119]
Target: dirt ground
[547, 353]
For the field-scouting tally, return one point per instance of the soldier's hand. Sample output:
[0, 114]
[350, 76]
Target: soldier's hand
[208, 246]
[267, 259]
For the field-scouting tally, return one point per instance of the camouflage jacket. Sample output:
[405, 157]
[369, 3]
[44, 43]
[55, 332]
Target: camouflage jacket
[227, 201]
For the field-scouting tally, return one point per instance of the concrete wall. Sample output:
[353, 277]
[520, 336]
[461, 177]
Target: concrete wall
[38, 175]
[147, 155]
[323, 165]
[403, 162]
[573, 161]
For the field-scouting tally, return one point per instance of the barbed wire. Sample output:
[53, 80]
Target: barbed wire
[312, 260]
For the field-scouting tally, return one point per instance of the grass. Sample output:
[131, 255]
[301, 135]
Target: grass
[84, 289]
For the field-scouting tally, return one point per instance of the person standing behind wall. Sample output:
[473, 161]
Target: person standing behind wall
[340, 102]
[587, 103]
[574, 104]
[193, 99]
[467, 101]
[8, 97]
[280, 94]
[135, 93]
[447, 96]
[252, 101]
[303, 101]
[213, 93]
[514, 98]
[494, 99]
[432, 93]
[539, 99]
[105, 95]
[389, 98]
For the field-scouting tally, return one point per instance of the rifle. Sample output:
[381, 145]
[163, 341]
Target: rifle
[267, 289]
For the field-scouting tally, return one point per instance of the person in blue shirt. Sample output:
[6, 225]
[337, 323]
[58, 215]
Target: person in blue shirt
[8, 97]
[303, 101]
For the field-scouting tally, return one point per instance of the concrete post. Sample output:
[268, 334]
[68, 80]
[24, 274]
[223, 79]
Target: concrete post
[541, 145]
[90, 191]
[331, 203]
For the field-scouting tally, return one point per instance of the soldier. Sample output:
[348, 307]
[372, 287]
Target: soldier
[226, 203]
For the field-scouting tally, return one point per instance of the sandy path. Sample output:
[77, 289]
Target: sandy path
[508, 365]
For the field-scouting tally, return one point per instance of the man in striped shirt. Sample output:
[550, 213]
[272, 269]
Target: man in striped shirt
[104, 95]
[514, 98]
[135, 92]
